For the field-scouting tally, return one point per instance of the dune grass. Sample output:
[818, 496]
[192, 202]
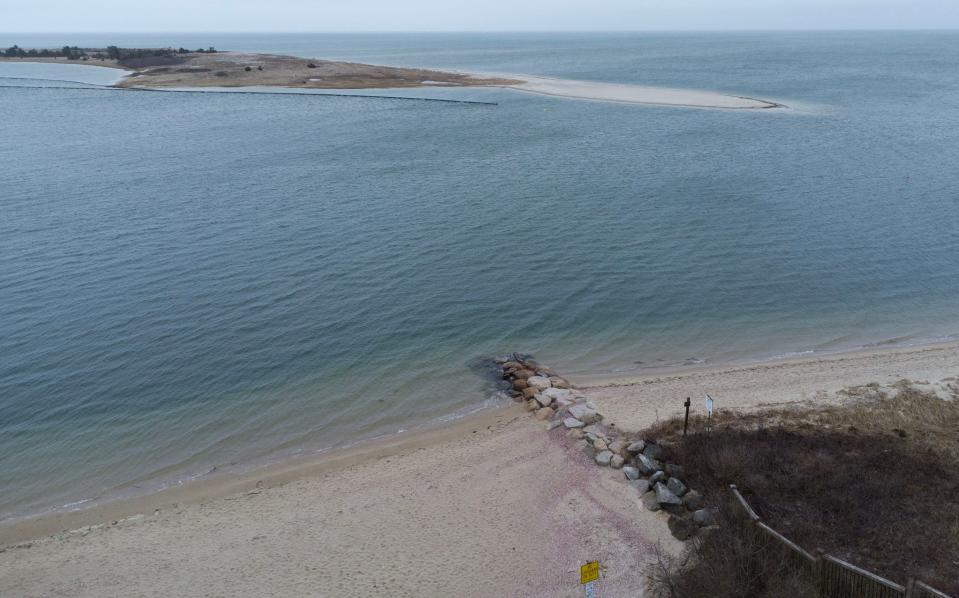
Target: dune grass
[874, 482]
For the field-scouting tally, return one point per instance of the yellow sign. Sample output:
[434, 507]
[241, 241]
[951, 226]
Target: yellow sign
[589, 572]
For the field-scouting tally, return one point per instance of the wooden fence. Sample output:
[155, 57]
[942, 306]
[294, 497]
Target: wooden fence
[835, 578]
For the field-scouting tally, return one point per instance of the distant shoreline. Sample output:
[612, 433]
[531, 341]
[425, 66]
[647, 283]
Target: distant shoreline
[233, 69]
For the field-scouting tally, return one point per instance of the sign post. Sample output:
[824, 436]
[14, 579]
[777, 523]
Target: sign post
[589, 573]
[709, 410]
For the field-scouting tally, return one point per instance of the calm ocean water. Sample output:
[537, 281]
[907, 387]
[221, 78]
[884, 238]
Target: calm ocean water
[199, 281]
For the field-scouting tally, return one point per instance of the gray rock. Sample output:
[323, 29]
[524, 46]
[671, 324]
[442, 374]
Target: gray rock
[650, 502]
[675, 471]
[665, 497]
[604, 457]
[559, 382]
[617, 461]
[704, 517]
[657, 477]
[681, 527]
[694, 500]
[631, 472]
[572, 422]
[619, 447]
[581, 445]
[641, 486]
[654, 451]
[543, 399]
[594, 429]
[647, 466]
[538, 382]
[575, 434]
[558, 394]
[636, 447]
[584, 413]
[553, 425]
[676, 486]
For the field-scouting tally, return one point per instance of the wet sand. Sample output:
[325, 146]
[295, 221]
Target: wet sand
[488, 506]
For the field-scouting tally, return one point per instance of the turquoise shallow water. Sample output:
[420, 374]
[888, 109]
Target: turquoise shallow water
[198, 281]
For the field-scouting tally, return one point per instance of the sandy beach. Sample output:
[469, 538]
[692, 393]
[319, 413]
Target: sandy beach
[636, 94]
[491, 505]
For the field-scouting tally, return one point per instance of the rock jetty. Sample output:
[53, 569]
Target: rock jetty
[660, 483]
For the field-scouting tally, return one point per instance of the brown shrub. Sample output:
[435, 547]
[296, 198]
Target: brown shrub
[874, 483]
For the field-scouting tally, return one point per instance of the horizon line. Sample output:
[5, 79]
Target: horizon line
[462, 31]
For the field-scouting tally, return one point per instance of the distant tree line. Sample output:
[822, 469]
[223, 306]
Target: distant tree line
[112, 52]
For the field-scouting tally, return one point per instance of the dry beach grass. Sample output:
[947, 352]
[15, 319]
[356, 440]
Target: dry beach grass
[872, 481]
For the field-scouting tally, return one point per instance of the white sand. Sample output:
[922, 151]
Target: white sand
[635, 94]
[491, 506]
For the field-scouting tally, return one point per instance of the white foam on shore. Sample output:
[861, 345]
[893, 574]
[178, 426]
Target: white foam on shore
[636, 94]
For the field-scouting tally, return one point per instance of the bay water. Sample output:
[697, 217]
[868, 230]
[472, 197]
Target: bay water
[196, 283]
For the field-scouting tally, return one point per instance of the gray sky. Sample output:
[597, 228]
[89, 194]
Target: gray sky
[473, 15]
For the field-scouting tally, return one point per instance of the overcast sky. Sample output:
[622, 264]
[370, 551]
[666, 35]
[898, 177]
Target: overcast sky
[473, 15]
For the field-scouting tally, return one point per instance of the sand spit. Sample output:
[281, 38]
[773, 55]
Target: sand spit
[489, 506]
[637, 94]
[243, 70]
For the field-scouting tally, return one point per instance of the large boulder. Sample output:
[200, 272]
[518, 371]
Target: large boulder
[558, 382]
[676, 486]
[544, 400]
[654, 451]
[675, 471]
[681, 527]
[704, 517]
[636, 447]
[529, 392]
[665, 497]
[523, 374]
[560, 397]
[603, 458]
[647, 466]
[619, 447]
[584, 414]
[657, 477]
[540, 383]
[617, 461]
[631, 472]
[519, 384]
[572, 422]
[694, 500]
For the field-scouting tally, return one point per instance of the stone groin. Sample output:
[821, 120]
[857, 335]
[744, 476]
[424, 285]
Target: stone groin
[660, 484]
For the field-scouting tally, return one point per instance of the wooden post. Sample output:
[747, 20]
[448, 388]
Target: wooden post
[819, 571]
[686, 422]
[910, 587]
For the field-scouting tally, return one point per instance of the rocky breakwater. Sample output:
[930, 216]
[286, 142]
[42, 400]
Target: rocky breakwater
[660, 483]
